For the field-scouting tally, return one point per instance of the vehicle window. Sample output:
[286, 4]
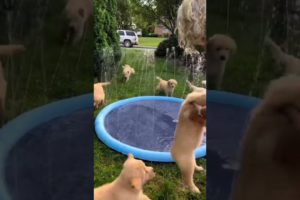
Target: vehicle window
[121, 32]
[130, 33]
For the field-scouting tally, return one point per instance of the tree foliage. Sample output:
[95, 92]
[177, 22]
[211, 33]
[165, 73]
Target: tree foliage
[124, 17]
[160, 11]
[107, 50]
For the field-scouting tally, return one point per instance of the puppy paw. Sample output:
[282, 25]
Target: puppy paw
[194, 189]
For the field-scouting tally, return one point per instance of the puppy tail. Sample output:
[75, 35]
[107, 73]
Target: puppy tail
[158, 78]
[10, 50]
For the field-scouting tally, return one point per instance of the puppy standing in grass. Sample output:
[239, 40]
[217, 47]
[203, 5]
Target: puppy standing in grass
[290, 63]
[99, 94]
[129, 184]
[128, 72]
[188, 136]
[219, 49]
[270, 159]
[167, 87]
[6, 51]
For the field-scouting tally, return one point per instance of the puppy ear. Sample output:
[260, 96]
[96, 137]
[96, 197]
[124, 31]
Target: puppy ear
[233, 47]
[130, 155]
[136, 183]
[210, 43]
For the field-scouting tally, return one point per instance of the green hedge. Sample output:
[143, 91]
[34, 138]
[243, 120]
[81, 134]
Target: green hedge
[107, 48]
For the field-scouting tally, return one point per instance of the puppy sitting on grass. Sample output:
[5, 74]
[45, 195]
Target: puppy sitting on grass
[270, 159]
[99, 94]
[195, 88]
[128, 72]
[219, 49]
[167, 87]
[129, 184]
[188, 136]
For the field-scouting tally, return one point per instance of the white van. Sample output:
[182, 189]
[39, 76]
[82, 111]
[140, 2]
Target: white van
[128, 38]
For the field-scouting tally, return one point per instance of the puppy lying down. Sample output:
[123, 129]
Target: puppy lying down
[270, 162]
[188, 136]
[129, 184]
[99, 94]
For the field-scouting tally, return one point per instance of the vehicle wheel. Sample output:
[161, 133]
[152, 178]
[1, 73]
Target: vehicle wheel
[127, 43]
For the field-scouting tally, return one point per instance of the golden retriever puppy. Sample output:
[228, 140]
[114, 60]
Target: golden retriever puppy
[219, 49]
[270, 161]
[191, 24]
[129, 184]
[128, 72]
[99, 94]
[188, 136]
[167, 87]
[195, 88]
[290, 63]
[78, 12]
[6, 51]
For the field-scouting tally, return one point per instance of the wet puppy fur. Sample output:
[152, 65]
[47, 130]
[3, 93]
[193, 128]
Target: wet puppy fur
[270, 159]
[77, 12]
[167, 87]
[188, 136]
[128, 71]
[99, 94]
[219, 49]
[129, 184]
[6, 51]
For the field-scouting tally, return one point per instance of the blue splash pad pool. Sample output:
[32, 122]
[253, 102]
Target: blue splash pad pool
[47, 153]
[143, 126]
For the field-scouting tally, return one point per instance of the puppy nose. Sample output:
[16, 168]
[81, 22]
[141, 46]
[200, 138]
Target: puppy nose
[222, 57]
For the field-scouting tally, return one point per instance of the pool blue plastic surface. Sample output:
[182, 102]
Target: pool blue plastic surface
[36, 149]
[143, 126]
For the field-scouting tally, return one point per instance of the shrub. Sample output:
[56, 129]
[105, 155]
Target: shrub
[107, 48]
[168, 43]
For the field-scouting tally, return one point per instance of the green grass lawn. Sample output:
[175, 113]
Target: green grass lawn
[150, 41]
[108, 163]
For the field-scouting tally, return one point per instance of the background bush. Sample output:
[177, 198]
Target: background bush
[107, 48]
[168, 43]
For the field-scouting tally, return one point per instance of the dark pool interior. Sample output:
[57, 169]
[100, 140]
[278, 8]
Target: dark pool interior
[148, 125]
[226, 126]
[39, 167]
